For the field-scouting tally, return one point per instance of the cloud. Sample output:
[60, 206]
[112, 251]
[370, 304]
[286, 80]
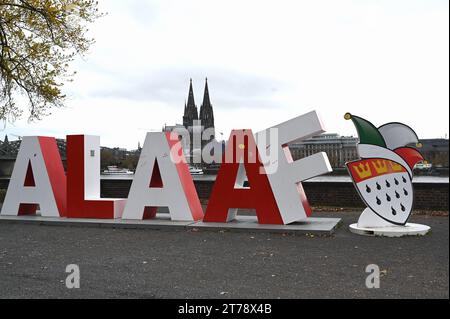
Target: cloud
[170, 86]
[266, 62]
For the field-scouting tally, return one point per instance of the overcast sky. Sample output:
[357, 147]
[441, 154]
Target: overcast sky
[266, 62]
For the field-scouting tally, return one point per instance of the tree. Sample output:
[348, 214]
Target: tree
[131, 161]
[38, 40]
[107, 157]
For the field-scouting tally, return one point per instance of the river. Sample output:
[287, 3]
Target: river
[321, 179]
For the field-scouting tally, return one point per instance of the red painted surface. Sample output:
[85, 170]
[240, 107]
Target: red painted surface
[29, 177]
[186, 179]
[55, 170]
[28, 209]
[155, 181]
[258, 196]
[410, 155]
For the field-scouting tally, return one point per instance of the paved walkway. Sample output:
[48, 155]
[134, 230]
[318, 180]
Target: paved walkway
[196, 264]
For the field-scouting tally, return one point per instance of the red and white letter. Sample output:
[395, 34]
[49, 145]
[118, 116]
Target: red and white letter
[162, 179]
[38, 179]
[242, 156]
[83, 181]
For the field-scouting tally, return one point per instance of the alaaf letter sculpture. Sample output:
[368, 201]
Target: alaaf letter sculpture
[383, 178]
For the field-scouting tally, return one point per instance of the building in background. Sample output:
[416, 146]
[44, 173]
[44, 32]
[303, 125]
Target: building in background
[435, 151]
[340, 149]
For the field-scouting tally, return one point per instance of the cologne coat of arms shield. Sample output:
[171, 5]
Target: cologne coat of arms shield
[383, 175]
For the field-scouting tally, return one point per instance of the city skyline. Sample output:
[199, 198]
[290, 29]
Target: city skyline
[387, 61]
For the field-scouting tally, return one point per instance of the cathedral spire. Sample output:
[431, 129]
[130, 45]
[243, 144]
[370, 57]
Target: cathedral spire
[190, 109]
[206, 110]
[206, 100]
[191, 101]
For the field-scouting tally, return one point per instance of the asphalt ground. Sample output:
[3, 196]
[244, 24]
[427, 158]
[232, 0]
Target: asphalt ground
[133, 263]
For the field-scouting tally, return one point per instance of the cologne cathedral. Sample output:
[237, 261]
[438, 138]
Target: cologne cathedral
[203, 120]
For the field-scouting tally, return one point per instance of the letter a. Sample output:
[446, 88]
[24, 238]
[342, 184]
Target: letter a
[38, 179]
[83, 181]
[226, 198]
[162, 179]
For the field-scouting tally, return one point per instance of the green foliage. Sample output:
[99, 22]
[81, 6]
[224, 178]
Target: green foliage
[130, 162]
[107, 158]
[38, 40]
[110, 157]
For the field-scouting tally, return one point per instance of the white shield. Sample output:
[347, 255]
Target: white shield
[390, 196]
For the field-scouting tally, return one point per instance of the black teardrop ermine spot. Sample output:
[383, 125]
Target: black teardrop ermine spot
[388, 184]
[394, 212]
[378, 186]
[397, 194]
[405, 192]
[403, 179]
[396, 181]
[378, 201]
[388, 198]
[402, 207]
[368, 189]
